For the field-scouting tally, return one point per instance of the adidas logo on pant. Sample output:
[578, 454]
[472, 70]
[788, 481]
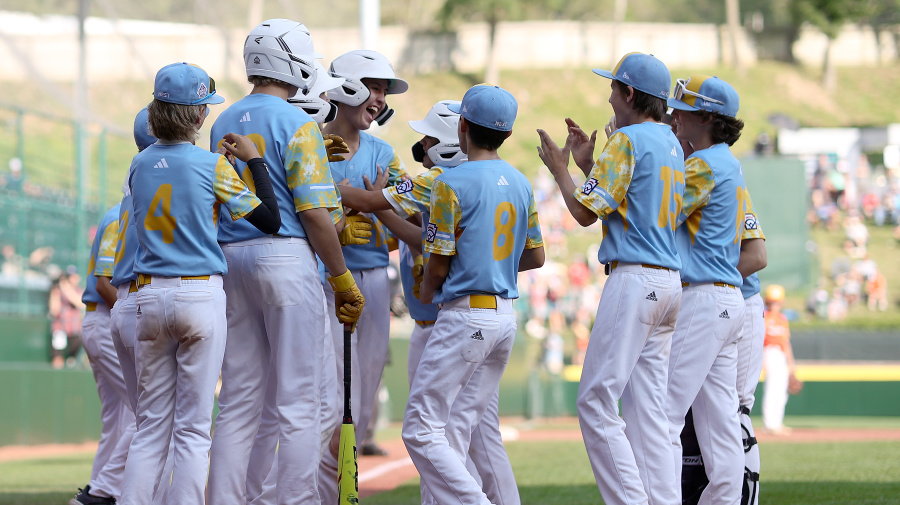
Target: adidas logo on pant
[477, 336]
[652, 296]
[724, 315]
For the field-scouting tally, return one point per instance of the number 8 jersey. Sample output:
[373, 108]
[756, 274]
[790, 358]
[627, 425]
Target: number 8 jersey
[176, 191]
[483, 213]
[635, 187]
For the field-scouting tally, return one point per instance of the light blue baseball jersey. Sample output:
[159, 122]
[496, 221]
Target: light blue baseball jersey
[712, 217]
[127, 244]
[103, 251]
[372, 153]
[752, 229]
[176, 193]
[411, 197]
[292, 147]
[635, 187]
[476, 207]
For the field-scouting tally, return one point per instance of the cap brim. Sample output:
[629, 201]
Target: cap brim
[211, 100]
[397, 86]
[679, 105]
[604, 73]
[456, 108]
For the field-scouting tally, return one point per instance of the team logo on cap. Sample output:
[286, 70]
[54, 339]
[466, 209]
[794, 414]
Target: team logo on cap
[202, 91]
[589, 186]
[430, 233]
[501, 124]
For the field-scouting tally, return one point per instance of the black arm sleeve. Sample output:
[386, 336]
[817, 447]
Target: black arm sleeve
[266, 217]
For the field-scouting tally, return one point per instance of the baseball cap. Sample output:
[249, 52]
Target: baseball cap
[643, 72]
[185, 84]
[702, 92]
[142, 137]
[489, 106]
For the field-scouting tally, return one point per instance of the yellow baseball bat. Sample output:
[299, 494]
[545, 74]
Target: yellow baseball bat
[348, 471]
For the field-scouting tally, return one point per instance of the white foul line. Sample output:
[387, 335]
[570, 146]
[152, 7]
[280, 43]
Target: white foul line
[380, 470]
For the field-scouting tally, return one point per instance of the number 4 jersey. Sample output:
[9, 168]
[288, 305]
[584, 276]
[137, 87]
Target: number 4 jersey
[635, 187]
[176, 192]
[483, 214]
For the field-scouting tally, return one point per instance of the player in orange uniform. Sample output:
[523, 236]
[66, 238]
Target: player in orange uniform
[778, 361]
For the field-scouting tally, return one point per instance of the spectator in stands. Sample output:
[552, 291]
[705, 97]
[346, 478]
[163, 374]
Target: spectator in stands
[13, 181]
[65, 309]
[12, 262]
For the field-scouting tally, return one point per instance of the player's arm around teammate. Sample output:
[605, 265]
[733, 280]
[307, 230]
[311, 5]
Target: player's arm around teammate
[635, 187]
[177, 189]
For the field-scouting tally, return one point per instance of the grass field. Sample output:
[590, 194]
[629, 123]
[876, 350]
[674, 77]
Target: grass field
[554, 472]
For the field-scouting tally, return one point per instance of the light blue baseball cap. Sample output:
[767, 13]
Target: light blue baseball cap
[643, 72]
[702, 92]
[185, 84]
[489, 106]
[142, 137]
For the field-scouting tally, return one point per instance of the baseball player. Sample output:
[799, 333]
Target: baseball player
[116, 413]
[177, 192]
[635, 187]
[438, 150]
[703, 361]
[368, 79]
[778, 360]
[482, 201]
[275, 310]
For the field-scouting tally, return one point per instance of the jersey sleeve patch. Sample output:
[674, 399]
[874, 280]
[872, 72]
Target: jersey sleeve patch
[610, 177]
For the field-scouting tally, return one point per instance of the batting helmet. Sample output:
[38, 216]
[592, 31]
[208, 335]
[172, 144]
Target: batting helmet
[364, 64]
[440, 122]
[774, 293]
[321, 110]
[281, 49]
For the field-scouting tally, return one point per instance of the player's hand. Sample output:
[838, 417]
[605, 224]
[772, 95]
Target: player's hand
[581, 146]
[418, 273]
[348, 301]
[380, 181]
[610, 127]
[335, 146]
[357, 230]
[795, 385]
[240, 146]
[554, 157]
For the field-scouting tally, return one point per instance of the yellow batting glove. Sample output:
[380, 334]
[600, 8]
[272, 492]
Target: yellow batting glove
[418, 272]
[357, 230]
[335, 146]
[348, 301]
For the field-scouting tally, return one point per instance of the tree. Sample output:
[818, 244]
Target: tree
[490, 11]
[829, 16]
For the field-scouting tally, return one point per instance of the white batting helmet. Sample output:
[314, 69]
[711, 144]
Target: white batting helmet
[322, 111]
[441, 123]
[362, 64]
[281, 49]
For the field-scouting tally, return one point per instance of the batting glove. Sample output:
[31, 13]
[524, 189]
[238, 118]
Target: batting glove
[418, 272]
[335, 146]
[348, 301]
[357, 230]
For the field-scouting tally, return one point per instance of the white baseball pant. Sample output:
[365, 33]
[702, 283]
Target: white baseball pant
[487, 458]
[122, 328]
[750, 359]
[775, 387]
[457, 378]
[116, 415]
[180, 330]
[263, 470]
[275, 316]
[628, 358]
[368, 355]
[703, 374]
